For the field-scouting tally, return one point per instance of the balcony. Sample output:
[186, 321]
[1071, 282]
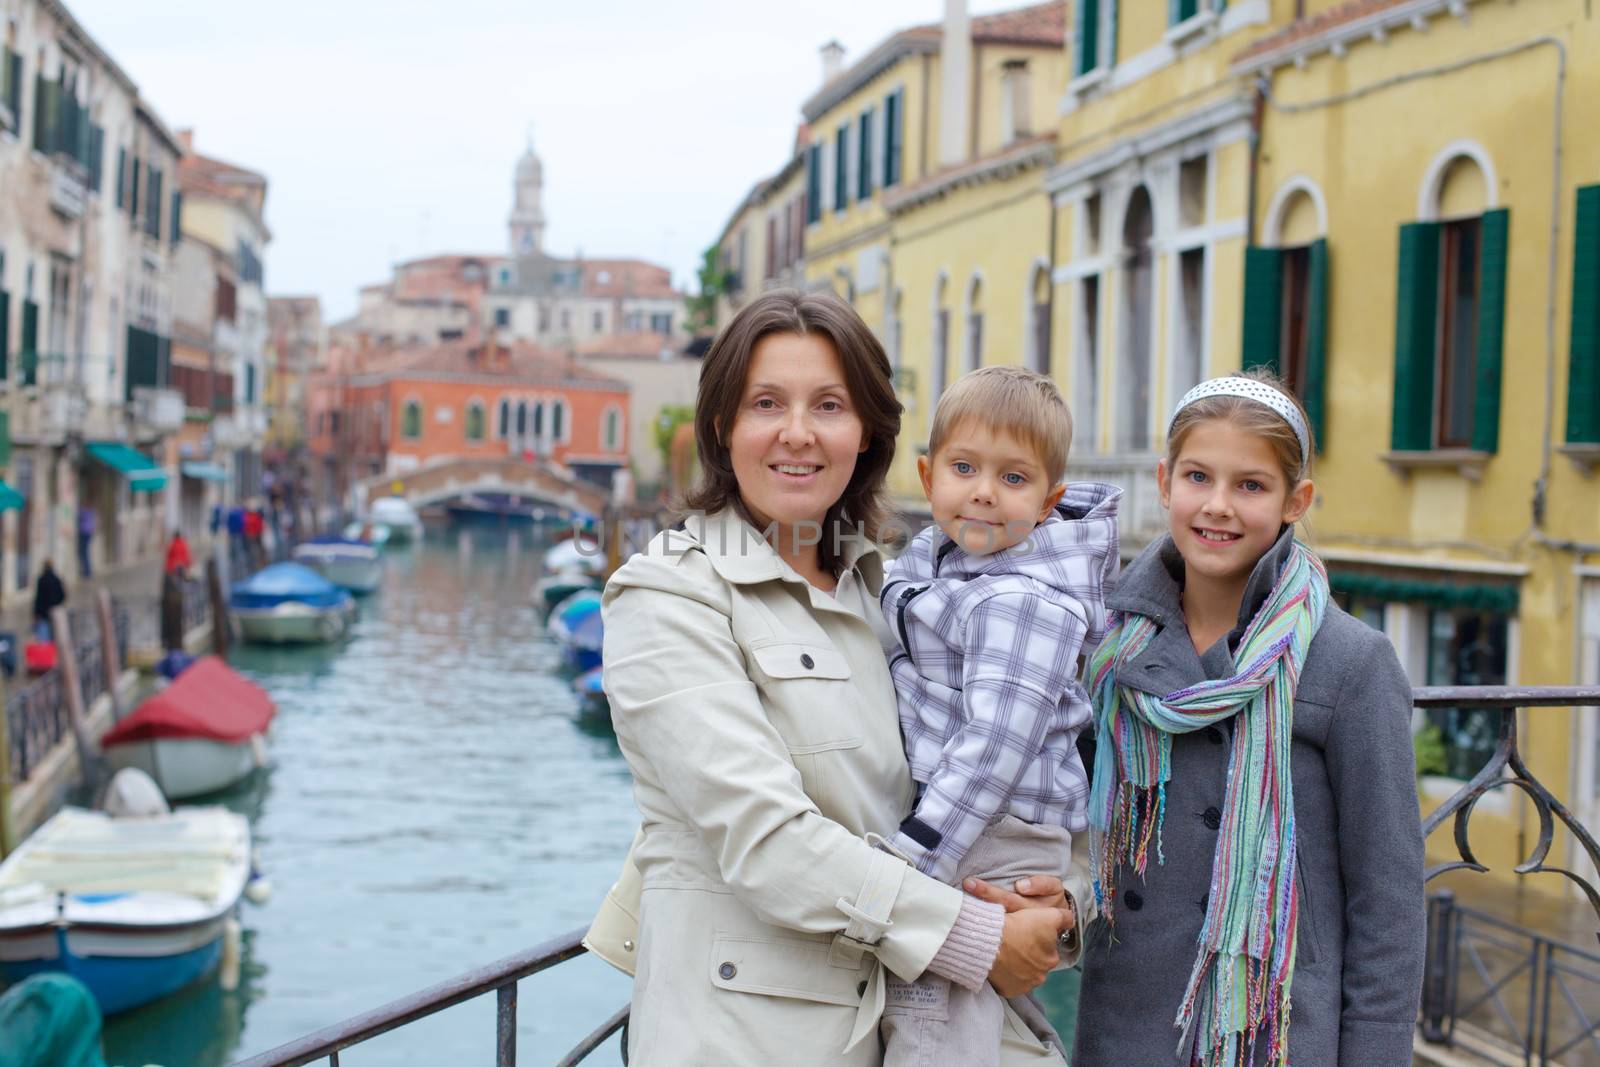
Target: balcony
[1142, 517]
[69, 195]
[49, 414]
[158, 410]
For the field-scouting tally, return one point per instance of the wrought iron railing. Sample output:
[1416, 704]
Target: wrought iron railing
[1505, 769]
[37, 718]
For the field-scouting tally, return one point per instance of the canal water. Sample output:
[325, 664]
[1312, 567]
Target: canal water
[435, 801]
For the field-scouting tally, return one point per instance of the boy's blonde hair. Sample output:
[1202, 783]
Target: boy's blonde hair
[1011, 400]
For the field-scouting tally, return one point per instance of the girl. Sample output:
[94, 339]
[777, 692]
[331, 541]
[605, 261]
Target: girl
[1254, 799]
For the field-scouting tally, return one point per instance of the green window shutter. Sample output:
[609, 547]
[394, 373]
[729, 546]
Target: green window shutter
[1316, 389]
[1583, 373]
[1180, 10]
[122, 176]
[1491, 330]
[177, 215]
[5, 333]
[894, 106]
[841, 169]
[5, 439]
[1415, 337]
[1088, 35]
[1263, 308]
[133, 193]
[28, 353]
[44, 113]
[864, 154]
[97, 143]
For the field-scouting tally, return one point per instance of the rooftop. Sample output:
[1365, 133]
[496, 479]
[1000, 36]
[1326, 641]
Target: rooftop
[627, 346]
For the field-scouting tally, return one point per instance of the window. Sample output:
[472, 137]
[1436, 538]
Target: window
[974, 353]
[1449, 323]
[411, 420]
[1366, 609]
[841, 168]
[1189, 342]
[1095, 36]
[1583, 375]
[1016, 99]
[1133, 374]
[474, 421]
[1466, 648]
[814, 184]
[894, 120]
[939, 368]
[502, 317]
[864, 156]
[11, 85]
[599, 321]
[566, 320]
[1192, 191]
[611, 431]
[1286, 321]
[1087, 406]
[558, 419]
[661, 322]
[536, 419]
[505, 418]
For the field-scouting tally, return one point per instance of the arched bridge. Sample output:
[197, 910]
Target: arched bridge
[440, 482]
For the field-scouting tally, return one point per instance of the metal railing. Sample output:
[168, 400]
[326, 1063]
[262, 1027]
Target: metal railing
[1552, 962]
[36, 712]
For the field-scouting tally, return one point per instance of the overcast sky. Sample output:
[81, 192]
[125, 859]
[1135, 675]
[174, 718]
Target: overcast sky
[389, 130]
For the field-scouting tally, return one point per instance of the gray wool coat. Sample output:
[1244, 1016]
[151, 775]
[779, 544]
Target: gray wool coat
[1358, 972]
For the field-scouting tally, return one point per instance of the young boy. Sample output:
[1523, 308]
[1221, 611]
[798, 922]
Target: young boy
[992, 607]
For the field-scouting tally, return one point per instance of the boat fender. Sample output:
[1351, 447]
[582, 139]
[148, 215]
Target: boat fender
[228, 974]
[257, 888]
[258, 750]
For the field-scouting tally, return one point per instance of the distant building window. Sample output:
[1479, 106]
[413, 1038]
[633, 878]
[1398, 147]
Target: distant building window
[475, 420]
[599, 321]
[612, 433]
[505, 276]
[566, 319]
[502, 317]
[558, 420]
[661, 322]
[505, 418]
[411, 421]
[604, 277]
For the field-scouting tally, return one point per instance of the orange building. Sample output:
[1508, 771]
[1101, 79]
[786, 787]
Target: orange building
[394, 410]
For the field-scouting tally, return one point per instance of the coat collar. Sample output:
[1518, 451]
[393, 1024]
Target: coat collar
[741, 556]
[1152, 585]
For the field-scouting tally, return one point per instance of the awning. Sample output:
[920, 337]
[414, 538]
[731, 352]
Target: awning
[10, 499]
[205, 472]
[142, 472]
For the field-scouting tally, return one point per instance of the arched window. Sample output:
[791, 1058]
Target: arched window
[411, 421]
[522, 417]
[505, 418]
[1133, 377]
[611, 430]
[1036, 328]
[973, 353]
[1286, 295]
[558, 421]
[938, 366]
[474, 420]
[537, 427]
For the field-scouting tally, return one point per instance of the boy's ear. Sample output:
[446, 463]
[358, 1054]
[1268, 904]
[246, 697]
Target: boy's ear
[1050, 501]
[925, 472]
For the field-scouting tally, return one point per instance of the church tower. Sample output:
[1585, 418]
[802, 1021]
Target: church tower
[527, 211]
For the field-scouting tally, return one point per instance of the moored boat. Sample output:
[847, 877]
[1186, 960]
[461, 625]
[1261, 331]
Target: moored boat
[552, 589]
[135, 908]
[395, 514]
[576, 625]
[202, 733]
[349, 564]
[290, 603]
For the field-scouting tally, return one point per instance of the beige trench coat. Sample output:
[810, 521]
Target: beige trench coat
[757, 715]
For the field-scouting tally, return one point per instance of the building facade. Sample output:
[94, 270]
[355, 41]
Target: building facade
[661, 377]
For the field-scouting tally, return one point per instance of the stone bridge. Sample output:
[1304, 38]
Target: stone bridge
[440, 482]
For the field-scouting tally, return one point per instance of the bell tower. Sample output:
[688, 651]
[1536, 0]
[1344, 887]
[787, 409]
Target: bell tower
[527, 211]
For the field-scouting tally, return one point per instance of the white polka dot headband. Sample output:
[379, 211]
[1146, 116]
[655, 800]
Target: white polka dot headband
[1249, 389]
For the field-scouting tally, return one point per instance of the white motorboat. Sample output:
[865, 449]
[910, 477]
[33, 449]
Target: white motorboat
[287, 603]
[396, 514]
[352, 565]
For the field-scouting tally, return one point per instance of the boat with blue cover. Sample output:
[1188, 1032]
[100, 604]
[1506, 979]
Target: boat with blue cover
[135, 908]
[291, 603]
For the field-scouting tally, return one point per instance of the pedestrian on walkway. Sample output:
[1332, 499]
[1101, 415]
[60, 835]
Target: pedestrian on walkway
[254, 524]
[174, 577]
[87, 521]
[48, 594]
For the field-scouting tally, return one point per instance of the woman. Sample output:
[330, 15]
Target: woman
[48, 594]
[174, 575]
[753, 703]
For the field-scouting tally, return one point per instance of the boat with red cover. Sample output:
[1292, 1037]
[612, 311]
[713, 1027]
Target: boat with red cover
[203, 732]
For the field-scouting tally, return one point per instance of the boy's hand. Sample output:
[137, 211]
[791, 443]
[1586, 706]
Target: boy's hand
[1037, 891]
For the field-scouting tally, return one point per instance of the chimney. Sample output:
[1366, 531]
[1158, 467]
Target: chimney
[955, 84]
[186, 139]
[832, 61]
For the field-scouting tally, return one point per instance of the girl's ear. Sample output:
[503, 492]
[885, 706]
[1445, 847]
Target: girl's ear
[1164, 483]
[1298, 502]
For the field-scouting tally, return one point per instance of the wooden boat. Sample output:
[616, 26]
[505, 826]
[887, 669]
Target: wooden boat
[135, 907]
[349, 564]
[287, 603]
[202, 733]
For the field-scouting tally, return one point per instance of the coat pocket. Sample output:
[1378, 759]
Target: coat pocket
[786, 967]
[807, 692]
[1306, 927]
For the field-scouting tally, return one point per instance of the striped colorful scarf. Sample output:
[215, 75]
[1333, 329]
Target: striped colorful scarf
[1239, 987]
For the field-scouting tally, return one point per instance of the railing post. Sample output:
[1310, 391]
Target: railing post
[1436, 967]
[219, 609]
[505, 1040]
[109, 659]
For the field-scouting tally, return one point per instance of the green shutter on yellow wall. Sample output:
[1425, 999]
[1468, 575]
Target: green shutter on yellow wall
[28, 354]
[1491, 330]
[1088, 35]
[1263, 308]
[1583, 367]
[1415, 326]
[5, 334]
[1316, 385]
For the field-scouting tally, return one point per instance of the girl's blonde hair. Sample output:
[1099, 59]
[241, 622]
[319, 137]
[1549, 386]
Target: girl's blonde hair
[1251, 417]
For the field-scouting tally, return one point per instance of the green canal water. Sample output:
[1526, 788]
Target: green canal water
[434, 802]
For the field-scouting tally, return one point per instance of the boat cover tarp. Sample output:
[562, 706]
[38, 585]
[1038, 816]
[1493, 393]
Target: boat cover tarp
[189, 852]
[281, 582]
[324, 548]
[208, 700]
[49, 1020]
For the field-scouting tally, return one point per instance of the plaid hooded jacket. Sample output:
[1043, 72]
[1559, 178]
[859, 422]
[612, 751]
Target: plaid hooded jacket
[987, 674]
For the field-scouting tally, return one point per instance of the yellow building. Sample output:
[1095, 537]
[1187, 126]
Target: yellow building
[763, 243]
[926, 207]
[1427, 211]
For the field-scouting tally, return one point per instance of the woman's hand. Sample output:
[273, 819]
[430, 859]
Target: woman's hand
[1028, 949]
[1038, 891]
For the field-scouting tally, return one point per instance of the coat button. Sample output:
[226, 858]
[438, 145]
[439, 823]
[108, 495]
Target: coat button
[806, 661]
[1133, 900]
[1214, 735]
[1212, 818]
[727, 971]
[861, 989]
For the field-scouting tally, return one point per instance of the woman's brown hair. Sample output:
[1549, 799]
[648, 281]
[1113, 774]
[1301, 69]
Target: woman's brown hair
[867, 376]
